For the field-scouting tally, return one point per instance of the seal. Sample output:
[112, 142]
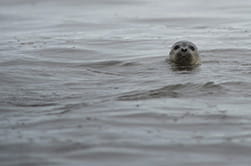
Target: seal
[184, 53]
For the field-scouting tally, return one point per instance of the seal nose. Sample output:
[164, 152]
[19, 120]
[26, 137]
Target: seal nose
[184, 49]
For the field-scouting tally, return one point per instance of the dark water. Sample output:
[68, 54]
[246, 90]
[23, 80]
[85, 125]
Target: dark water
[86, 83]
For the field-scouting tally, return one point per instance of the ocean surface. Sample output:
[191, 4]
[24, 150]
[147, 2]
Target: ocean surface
[86, 83]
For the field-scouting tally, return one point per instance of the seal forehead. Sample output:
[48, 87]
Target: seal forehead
[184, 43]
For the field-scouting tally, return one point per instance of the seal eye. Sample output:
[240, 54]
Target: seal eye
[176, 47]
[192, 48]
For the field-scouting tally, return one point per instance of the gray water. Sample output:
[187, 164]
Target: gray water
[86, 83]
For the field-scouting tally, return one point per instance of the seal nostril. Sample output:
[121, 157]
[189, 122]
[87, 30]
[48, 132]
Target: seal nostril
[183, 49]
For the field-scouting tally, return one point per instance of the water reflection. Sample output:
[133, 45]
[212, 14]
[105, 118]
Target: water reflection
[177, 67]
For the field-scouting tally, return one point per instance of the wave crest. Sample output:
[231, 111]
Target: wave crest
[176, 91]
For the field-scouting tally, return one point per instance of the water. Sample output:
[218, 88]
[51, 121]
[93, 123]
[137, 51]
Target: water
[86, 83]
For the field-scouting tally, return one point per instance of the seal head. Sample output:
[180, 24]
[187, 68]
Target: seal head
[184, 53]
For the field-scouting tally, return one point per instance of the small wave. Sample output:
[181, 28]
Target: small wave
[98, 67]
[176, 91]
[228, 51]
[110, 63]
[103, 72]
[60, 51]
[35, 104]
[102, 64]
[34, 62]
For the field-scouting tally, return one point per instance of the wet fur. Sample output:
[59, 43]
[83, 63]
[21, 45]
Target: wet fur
[188, 58]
